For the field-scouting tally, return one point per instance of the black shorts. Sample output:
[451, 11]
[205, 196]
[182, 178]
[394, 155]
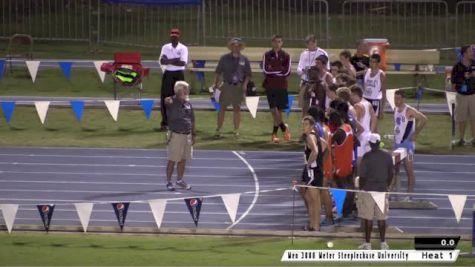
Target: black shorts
[277, 98]
[375, 103]
[313, 174]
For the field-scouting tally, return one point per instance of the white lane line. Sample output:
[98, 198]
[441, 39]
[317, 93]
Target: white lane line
[443, 163]
[135, 165]
[435, 227]
[122, 183]
[121, 174]
[125, 157]
[256, 193]
[84, 191]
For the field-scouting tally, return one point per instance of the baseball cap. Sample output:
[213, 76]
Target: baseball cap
[374, 138]
[175, 32]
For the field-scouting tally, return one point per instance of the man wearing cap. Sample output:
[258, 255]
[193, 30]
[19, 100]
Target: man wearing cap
[376, 174]
[173, 60]
[306, 61]
[233, 72]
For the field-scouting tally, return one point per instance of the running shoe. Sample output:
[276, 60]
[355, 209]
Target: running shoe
[275, 139]
[384, 246]
[183, 185]
[287, 135]
[170, 186]
[365, 246]
[217, 134]
[236, 133]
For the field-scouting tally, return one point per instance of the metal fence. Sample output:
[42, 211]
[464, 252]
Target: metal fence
[465, 22]
[406, 23]
[257, 20]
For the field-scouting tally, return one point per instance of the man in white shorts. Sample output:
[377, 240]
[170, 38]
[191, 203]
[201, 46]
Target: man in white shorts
[181, 134]
[408, 123]
[375, 85]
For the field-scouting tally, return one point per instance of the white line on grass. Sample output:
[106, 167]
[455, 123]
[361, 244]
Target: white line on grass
[256, 193]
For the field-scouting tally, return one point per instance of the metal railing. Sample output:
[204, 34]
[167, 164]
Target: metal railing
[465, 23]
[406, 23]
[257, 20]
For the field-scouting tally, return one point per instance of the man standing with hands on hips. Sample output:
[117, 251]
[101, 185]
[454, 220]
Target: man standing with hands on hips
[173, 60]
[276, 67]
[234, 70]
[181, 134]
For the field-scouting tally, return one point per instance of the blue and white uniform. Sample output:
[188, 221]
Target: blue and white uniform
[404, 128]
[372, 89]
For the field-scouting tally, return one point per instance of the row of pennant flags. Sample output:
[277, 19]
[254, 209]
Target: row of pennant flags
[77, 107]
[113, 106]
[157, 206]
[194, 204]
[64, 66]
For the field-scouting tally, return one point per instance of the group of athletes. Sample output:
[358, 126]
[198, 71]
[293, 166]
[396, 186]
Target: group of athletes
[341, 103]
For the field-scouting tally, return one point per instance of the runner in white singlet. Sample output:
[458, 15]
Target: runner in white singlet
[375, 85]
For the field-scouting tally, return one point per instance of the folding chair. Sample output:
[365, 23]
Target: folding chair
[20, 46]
[127, 71]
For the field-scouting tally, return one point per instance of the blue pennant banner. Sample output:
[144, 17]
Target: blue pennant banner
[78, 108]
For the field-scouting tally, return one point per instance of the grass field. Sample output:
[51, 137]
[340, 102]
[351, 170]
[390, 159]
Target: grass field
[134, 131]
[40, 249]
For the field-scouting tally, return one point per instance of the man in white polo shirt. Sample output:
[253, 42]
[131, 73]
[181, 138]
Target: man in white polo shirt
[173, 60]
[307, 60]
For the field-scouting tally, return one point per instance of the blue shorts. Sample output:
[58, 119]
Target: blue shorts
[410, 146]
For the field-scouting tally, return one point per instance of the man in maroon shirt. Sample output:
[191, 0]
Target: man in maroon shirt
[276, 67]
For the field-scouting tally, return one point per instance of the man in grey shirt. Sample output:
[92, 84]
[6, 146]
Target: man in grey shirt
[181, 134]
[376, 172]
[234, 70]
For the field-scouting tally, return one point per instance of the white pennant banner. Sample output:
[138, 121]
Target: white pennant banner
[231, 202]
[252, 102]
[98, 64]
[458, 203]
[42, 109]
[450, 96]
[380, 199]
[32, 66]
[158, 209]
[84, 212]
[9, 213]
[390, 97]
[113, 107]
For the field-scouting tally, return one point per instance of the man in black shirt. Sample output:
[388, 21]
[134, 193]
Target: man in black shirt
[361, 62]
[463, 82]
[376, 174]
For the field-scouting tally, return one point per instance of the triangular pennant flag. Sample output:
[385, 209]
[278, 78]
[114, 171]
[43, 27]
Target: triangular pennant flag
[46, 213]
[397, 67]
[8, 107]
[231, 202]
[458, 203]
[390, 97]
[65, 67]
[32, 66]
[113, 107]
[380, 199]
[121, 209]
[84, 212]
[78, 108]
[9, 213]
[339, 196]
[42, 109]
[252, 102]
[158, 209]
[289, 107]
[98, 64]
[450, 96]
[2, 68]
[147, 106]
[194, 206]
[215, 104]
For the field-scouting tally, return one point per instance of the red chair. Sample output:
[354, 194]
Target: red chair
[127, 71]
